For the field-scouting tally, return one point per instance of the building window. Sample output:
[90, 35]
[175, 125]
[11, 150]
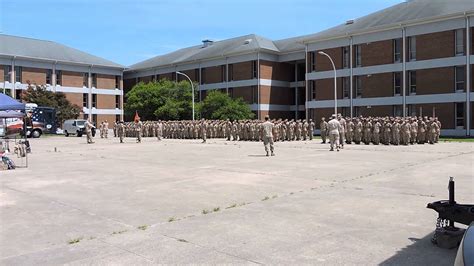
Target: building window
[254, 69]
[203, 76]
[117, 118]
[18, 75]
[357, 111]
[157, 77]
[397, 83]
[397, 50]
[412, 82]
[230, 92]
[358, 86]
[117, 101]
[345, 57]
[94, 80]
[85, 79]
[312, 61]
[94, 119]
[18, 94]
[459, 39]
[196, 74]
[6, 73]
[346, 86]
[312, 90]
[358, 56]
[460, 78]
[173, 76]
[346, 111]
[86, 116]
[459, 115]
[254, 94]
[231, 72]
[397, 110]
[223, 73]
[49, 74]
[59, 77]
[411, 110]
[85, 100]
[94, 100]
[117, 81]
[412, 48]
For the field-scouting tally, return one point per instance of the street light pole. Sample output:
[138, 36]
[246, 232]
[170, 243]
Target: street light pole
[335, 80]
[192, 87]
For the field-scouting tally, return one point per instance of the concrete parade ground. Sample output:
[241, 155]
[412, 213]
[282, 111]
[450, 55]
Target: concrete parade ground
[180, 202]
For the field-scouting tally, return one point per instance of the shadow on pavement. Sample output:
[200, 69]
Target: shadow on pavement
[422, 252]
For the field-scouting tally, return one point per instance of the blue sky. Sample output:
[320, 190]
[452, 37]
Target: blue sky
[129, 31]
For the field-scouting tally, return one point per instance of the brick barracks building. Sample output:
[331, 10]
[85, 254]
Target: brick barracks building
[414, 58]
[93, 83]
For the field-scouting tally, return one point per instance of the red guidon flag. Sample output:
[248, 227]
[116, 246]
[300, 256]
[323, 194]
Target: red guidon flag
[136, 116]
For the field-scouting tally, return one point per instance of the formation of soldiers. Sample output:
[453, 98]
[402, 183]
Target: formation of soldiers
[242, 130]
[385, 130]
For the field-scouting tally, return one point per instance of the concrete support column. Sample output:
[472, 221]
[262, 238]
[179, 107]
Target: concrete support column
[53, 77]
[121, 97]
[351, 49]
[258, 86]
[12, 79]
[306, 81]
[468, 77]
[296, 90]
[226, 76]
[404, 34]
[89, 96]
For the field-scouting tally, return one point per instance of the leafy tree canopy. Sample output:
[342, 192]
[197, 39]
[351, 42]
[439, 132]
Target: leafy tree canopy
[219, 105]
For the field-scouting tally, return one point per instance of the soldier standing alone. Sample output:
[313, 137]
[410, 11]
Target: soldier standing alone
[267, 130]
[89, 127]
[334, 128]
[324, 127]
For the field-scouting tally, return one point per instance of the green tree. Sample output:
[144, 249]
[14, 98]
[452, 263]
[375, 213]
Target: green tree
[39, 95]
[218, 105]
[164, 99]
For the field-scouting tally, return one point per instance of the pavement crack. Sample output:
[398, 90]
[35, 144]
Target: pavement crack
[214, 249]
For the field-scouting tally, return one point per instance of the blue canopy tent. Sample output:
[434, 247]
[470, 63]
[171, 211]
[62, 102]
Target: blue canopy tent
[7, 103]
[11, 108]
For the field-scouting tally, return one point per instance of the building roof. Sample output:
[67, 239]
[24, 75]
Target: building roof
[408, 11]
[242, 44]
[48, 50]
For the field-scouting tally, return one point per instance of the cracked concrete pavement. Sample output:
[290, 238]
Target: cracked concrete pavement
[363, 205]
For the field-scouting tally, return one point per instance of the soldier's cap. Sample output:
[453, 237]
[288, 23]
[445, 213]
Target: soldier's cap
[267, 117]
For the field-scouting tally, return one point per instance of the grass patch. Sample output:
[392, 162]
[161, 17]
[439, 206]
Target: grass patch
[74, 240]
[205, 211]
[143, 227]
[232, 206]
[216, 209]
[456, 139]
[119, 232]
[266, 198]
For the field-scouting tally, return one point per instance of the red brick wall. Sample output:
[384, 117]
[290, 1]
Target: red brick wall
[72, 79]
[377, 85]
[325, 89]
[317, 114]
[276, 71]
[75, 98]
[324, 64]
[2, 72]
[243, 92]
[33, 75]
[146, 79]
[242, 71]
[105, 101]
[105, 81]
[435, 45]
[377, 53]
[276, 95]
[213, 75]
[444, 112]
[191, 74]
[277, 114]
[434, 81]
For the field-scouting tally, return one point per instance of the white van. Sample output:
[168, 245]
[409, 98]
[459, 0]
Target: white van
[74, 127]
